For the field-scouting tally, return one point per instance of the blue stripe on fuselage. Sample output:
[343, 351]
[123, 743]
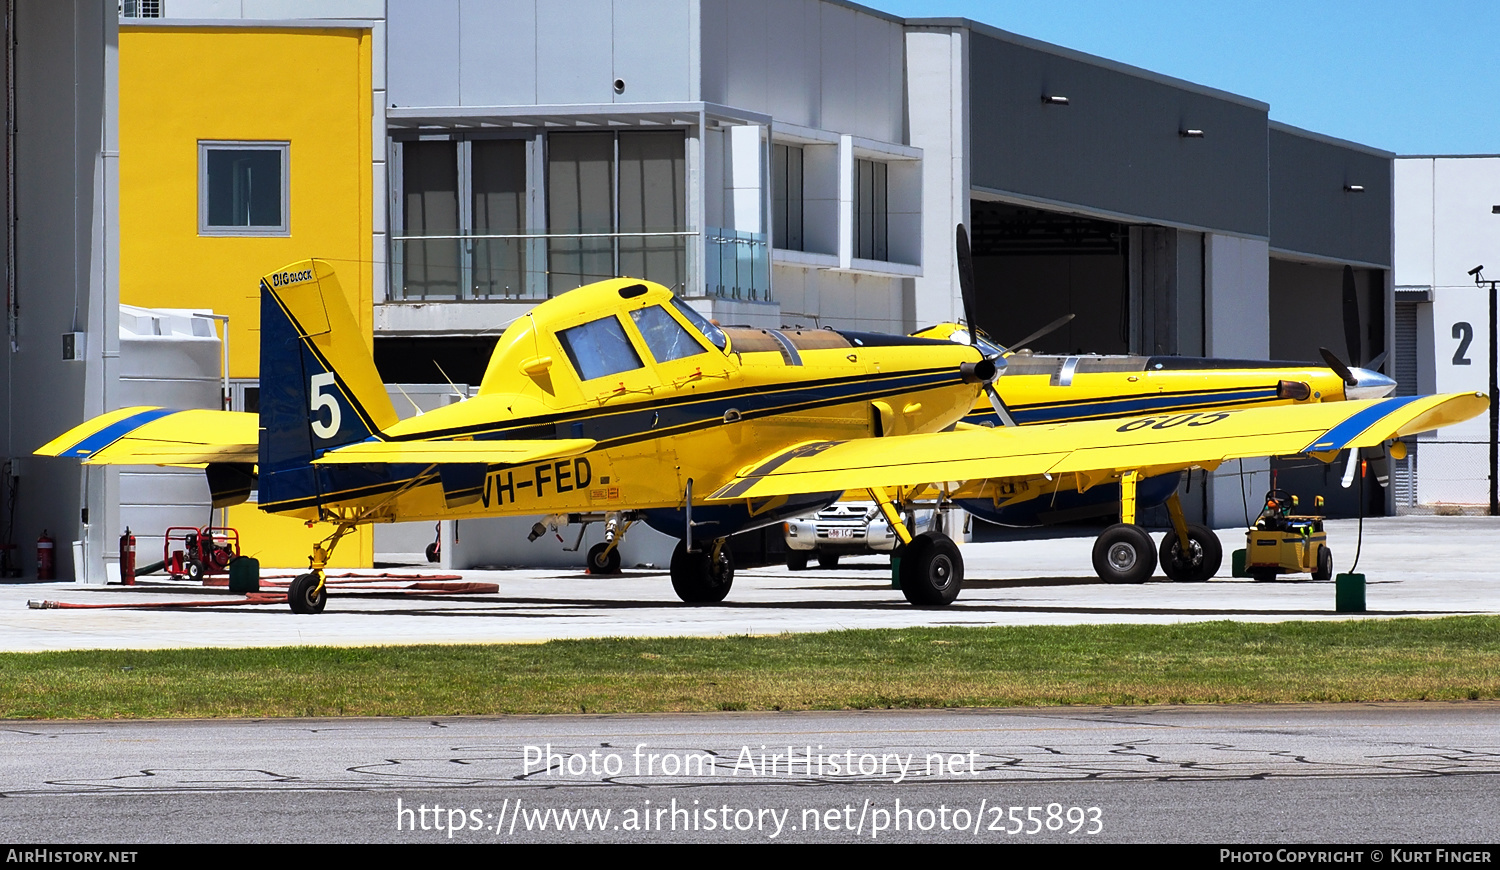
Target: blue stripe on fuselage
[1126, 406]
[1340, 435]
[114, 432]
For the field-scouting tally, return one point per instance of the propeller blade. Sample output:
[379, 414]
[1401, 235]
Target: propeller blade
[1379, 463]
[998, 404]
[1046, 330]
[1375, 364]
[1351, 316]
[1338, 367]
[966, 278]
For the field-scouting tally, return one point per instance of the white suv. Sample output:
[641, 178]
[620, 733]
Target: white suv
[845, 528]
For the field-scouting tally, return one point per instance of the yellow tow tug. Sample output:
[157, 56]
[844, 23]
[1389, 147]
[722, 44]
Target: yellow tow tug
[1281, 543]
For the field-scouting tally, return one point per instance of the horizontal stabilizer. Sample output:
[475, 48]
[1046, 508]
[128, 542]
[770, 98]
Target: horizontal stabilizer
[495, 452]
[160, 436]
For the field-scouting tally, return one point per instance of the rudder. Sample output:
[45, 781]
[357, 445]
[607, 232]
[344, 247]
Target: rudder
[319, 387]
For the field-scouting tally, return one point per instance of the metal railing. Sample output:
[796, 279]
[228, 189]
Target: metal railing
[536, 265]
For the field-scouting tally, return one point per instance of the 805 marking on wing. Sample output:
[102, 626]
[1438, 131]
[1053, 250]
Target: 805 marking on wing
[1195, 418]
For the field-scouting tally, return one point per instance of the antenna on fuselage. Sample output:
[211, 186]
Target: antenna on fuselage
[462, 396]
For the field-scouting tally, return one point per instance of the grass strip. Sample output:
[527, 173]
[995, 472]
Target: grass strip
[1193, 663]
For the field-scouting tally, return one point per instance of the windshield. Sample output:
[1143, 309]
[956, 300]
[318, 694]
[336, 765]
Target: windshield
[986, 347]
[712, 333]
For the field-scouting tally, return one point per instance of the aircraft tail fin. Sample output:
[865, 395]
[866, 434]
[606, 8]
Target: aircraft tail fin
[319, 388]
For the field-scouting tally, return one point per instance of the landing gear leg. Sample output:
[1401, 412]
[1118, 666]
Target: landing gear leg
[604, 558]
[309, 592]
[1124, 553]
[704, 576]
[1190, 553]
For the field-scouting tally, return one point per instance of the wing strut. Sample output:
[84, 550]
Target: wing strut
[892, 516]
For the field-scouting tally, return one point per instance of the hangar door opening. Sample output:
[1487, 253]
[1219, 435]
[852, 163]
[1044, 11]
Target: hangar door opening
[1130, 288]
[1033, 266]
[1313, 306]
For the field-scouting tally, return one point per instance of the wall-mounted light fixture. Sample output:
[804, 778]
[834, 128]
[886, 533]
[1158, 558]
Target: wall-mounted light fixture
[1354, 188]
[1189, 133]
[1495, 209]
[1054, 100]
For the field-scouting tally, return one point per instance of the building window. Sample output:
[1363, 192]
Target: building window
[463, 209]
[616, 206]
[786, 197]
[870, 214]
[243, 188]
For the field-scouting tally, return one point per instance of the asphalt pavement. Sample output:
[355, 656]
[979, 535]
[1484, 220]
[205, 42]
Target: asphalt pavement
[1414, 566]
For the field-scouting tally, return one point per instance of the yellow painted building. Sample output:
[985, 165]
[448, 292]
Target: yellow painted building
[243, 149]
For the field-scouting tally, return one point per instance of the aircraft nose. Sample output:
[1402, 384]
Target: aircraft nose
[1369, 385]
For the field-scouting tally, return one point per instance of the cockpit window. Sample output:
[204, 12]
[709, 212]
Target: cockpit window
[599, 348]
[666, 338]
[986, 347]
[711, 332]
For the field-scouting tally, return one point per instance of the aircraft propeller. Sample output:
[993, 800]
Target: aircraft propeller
[966, 290]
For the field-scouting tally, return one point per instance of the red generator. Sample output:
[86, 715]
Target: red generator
[193, 554]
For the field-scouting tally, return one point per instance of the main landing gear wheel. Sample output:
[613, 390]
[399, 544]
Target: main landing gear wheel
[699, 579]
[307, 594]
[796, 561]
[1202, 560]
[1325, 565]
[932, 571]
[601, 562]
[1124, 553]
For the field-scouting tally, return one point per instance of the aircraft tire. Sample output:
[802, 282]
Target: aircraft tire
[828, 560]
[304, 596]
[1324, 573]
[932, 570]
[796, 561]
[1200, 564]
[1124, 553]
[600, 562]
[696, 581]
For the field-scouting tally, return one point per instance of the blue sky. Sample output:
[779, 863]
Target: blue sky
[1408, 77]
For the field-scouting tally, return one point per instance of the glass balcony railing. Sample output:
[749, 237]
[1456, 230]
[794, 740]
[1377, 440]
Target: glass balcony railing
[457, 268]
[738, 265]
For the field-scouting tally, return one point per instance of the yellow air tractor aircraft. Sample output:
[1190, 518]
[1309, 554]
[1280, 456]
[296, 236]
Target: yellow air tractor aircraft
[1047, 389]
[619, 399]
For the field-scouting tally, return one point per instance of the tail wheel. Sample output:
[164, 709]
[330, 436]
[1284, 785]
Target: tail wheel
[307, 594]
[932, 571]
[601, 562]
[434, 552]
[699, 579]
[1202, 560]
[1325, 565]
[1124, 553]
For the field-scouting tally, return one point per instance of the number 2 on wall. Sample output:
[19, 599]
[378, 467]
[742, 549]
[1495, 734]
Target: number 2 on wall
[321, 400]
[1464, 332]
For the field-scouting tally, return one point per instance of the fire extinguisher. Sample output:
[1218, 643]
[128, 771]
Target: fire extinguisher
[127, 558]
[46, 560]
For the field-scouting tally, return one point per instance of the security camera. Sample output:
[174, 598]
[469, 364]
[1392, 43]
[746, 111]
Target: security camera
[1476, 270]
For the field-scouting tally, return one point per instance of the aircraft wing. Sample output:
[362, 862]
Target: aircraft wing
[1096, 449]
[464, 452]
[160, 436]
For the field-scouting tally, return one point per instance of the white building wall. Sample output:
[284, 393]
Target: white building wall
[1444, 228]
[937, 82]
